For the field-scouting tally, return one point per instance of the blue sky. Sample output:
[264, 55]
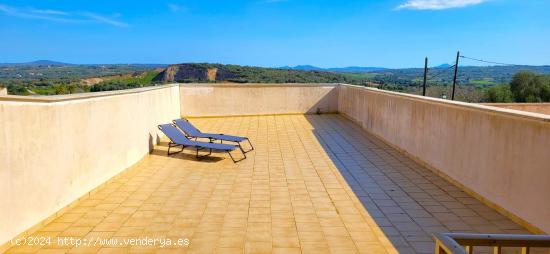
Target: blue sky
[392, 33]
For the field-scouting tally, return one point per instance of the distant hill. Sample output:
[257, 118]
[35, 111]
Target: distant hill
[302, 68]
[204, 72]
[357, 69]
[50, 72]
[445, 65]
[350, 69]
[45, 62]
[476, 76]
[37, 63]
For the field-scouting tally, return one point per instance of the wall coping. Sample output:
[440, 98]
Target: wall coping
[258, 85]
[79, 96]
[545, 104]
[465, 105]
[488, 108]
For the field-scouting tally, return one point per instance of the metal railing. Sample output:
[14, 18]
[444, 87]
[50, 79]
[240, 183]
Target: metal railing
[459, 243]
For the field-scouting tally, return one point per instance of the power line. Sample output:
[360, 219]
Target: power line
[489, 62]
[444, 69]
[437, 75]
[442, 72]
[455, 66]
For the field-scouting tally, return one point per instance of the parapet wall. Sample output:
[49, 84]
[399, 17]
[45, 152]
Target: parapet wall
[541, 108]
[501, 156]
[201, 100]
[57, 149]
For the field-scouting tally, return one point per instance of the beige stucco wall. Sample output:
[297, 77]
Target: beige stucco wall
[3, 91]
[502, 155]
[257, 99]
[54, 150]
[542, 108]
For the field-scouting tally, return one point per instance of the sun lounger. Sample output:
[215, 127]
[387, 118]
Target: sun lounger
[191, 131]
[177, 138]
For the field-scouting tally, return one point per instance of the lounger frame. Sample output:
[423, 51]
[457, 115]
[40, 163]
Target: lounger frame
[172, 144]
[238, 143]
[211, 139]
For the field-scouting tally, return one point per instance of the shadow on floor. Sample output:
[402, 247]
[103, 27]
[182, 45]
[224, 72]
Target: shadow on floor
[407, 201]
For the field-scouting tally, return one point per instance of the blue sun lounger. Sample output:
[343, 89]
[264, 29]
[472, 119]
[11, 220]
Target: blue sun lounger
[192, 132]
[177, 138]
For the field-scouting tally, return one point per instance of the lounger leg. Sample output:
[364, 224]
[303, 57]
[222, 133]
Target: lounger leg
[202, 156]
[242, 150]
[170, 145]
[232, 158]
[251, 147]
[244, 154]
[197, 155]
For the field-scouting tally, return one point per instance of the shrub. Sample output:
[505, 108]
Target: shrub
[500, 93]
[530, 87]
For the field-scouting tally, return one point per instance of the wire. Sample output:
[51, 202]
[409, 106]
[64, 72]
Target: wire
[444, 69]
[441, 73]
[489, 62]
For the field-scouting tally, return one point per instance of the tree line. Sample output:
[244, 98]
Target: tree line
[525, 87]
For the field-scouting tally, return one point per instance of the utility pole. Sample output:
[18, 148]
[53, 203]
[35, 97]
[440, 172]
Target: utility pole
[456, 72]
[425, 76]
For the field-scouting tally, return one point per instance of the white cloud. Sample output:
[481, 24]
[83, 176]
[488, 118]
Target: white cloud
[49, 12]
[60, 16]
[177, 8]
[438, 4]
[104, 20]
[32, 14]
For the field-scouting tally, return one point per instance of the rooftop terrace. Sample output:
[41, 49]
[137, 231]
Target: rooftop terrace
[313, 184]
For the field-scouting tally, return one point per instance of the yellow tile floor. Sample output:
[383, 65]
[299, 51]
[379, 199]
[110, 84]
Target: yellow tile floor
[314, 184]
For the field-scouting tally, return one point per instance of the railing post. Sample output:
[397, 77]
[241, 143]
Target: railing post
[525, 250]
[469, 249]
[497, 250]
